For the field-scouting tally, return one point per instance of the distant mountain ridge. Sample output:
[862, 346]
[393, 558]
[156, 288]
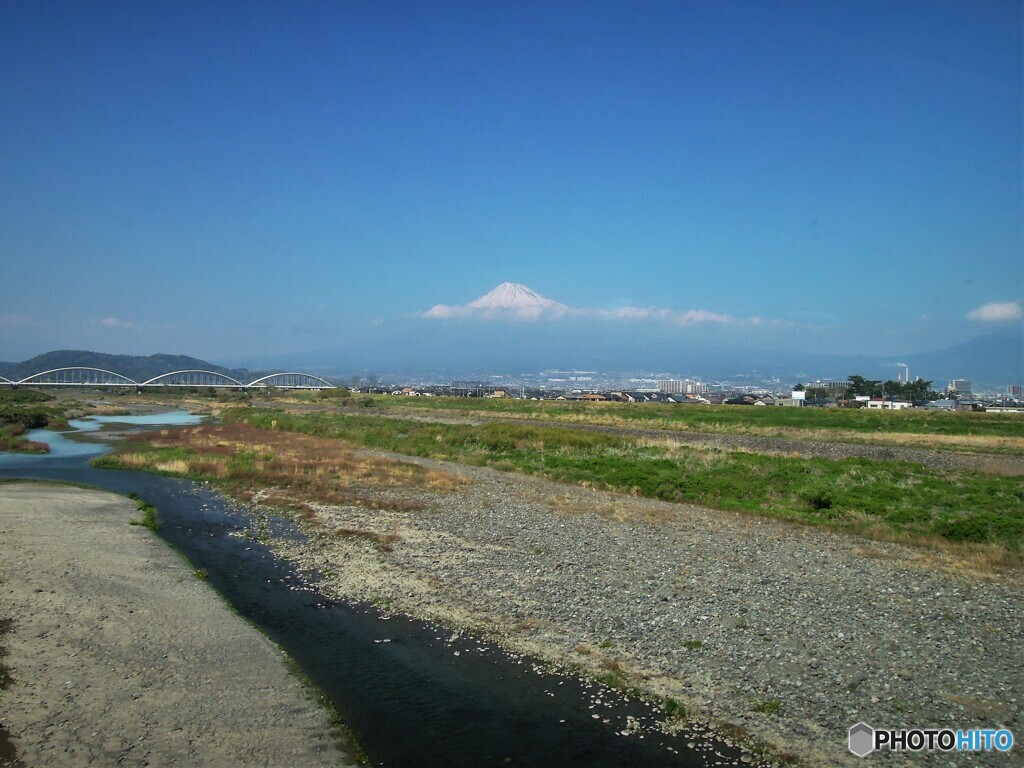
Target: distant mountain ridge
[994, 358]
[135, 367]
[991, 361]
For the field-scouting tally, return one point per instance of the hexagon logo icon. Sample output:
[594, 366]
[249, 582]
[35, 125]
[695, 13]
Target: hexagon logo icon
[862, 739]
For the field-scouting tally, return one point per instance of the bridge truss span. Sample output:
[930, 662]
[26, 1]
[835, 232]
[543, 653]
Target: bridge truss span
[78, 377]
[292, 380]
[192, 378]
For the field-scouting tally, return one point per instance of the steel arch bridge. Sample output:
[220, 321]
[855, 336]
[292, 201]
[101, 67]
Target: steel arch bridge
[192, 378]
[77, 377]
[80, 376]
[291, 380]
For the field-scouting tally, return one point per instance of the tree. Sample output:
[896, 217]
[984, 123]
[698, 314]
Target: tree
[909, 390]
[891, 388]
[865, 387]
[919, 390]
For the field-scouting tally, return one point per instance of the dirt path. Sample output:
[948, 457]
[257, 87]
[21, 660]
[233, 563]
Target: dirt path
[116, 654]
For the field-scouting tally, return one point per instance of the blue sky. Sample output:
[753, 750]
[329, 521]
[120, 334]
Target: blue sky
[241, 181]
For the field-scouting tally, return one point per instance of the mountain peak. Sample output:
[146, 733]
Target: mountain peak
[514, 296]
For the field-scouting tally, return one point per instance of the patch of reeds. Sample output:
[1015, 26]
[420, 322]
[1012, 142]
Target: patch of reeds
[297, 466]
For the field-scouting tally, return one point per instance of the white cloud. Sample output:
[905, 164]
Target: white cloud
[681, 317]
[116, 322]
[445, 312]
[14, 322]
[514, 301]
[997, 311]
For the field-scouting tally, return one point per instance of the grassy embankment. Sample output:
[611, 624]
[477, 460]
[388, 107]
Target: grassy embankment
[882, 500]
[22, 410]
[961, 431]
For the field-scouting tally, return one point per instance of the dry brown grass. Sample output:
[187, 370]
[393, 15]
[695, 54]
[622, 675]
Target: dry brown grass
[175, 467]
[976, 443]
[385, 542]
[933, 553]
[609, 506]
[135, 460]
[614, 666]
[528, 624]
[294, 466]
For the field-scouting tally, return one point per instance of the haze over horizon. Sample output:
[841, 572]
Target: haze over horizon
[333, 179]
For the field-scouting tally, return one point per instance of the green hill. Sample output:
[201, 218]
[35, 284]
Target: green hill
[133, 366]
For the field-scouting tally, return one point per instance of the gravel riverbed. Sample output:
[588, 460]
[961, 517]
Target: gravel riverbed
[786, 634]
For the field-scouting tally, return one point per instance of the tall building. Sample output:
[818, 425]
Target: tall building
[959, 386]
[1014, 391]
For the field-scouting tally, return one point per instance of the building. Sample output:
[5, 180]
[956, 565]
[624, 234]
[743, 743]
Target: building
[833, 387]
[681, 387]
[959, 386]
[889, 405]
[1014, 391]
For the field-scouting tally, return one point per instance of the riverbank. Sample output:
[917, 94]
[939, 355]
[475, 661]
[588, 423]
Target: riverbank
[116, 653]
[785, 634]
[782, 634]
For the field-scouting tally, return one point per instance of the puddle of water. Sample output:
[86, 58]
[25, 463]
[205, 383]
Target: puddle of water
[170, 419]
[62, 446]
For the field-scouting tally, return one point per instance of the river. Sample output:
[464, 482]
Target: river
[412, 693]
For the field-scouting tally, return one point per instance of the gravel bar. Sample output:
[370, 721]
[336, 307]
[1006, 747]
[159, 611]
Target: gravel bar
[786, 634]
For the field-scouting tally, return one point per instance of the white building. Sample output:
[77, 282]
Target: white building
[889, 405]
[682, 387]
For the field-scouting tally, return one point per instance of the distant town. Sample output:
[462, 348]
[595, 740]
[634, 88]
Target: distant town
[596, 386]
[85, 368]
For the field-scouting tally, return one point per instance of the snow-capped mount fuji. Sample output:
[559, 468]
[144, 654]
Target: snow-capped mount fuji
[514, 296]
[510, 300]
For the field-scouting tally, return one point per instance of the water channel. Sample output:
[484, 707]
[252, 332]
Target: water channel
[412, 693]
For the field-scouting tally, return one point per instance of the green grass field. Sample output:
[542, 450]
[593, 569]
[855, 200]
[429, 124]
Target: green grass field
[727, 419]
[858, 495]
